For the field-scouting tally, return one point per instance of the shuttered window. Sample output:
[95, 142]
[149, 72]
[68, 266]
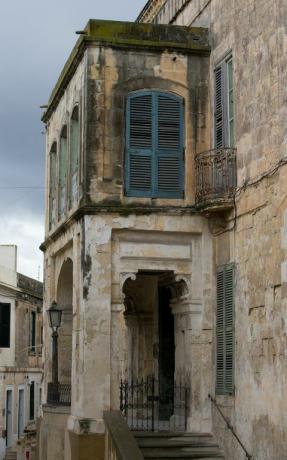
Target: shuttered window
[225, 330]
[74, 157]
[154, 145]
[33, 332]
[53, 186]
[63, 157]
[219, 108]
[223, 104]
[5, 315]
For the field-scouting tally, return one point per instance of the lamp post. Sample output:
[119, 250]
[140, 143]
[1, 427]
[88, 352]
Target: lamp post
[55, 317]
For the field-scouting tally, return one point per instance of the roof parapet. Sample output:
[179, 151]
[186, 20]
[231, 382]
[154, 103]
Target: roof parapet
[129, 35]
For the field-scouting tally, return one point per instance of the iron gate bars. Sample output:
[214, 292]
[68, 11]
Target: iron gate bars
[146, 408]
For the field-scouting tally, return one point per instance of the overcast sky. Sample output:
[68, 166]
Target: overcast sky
[36, 38]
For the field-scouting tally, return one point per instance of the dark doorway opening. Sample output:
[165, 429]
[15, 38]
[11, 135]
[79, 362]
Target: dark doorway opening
[166, 359]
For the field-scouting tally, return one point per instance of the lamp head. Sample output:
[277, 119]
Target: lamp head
[55, 316]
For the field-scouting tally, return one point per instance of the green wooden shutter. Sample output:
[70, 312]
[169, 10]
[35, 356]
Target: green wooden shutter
[220, 333]
[223, 104]
[225, 330]
[169, 146]
[230, 101]
[5, 315]
[219, 118]
[139, 143]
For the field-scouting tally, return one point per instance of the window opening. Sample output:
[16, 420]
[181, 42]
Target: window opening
[5, 319]
[154, 145]
[63, 172]
[74, 156]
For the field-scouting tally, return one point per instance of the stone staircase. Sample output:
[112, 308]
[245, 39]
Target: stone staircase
[10, 455]
[175, 446]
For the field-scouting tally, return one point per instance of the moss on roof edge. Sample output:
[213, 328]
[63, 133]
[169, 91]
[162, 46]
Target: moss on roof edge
[128, 35]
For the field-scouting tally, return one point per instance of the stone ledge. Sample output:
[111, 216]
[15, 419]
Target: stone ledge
[47, 408]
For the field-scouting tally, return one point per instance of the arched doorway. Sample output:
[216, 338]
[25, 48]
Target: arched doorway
[65, 301]
[152, 395]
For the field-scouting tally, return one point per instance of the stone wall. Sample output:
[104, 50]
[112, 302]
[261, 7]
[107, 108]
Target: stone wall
[112, 249]
[256, 34]
[113, 74]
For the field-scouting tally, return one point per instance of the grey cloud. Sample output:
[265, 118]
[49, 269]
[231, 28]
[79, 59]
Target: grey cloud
[36, 38]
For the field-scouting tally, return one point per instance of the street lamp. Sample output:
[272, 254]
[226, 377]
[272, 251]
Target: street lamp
[55, 316]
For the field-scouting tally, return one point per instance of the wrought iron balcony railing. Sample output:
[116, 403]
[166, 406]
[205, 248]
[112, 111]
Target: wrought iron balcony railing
[59, 394]
[215, 177]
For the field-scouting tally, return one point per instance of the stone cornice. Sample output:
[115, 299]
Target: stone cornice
[114, 209]
[128, 35]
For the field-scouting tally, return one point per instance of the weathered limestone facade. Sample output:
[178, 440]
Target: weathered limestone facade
[107, 255]
[256, 34]
[20, 354]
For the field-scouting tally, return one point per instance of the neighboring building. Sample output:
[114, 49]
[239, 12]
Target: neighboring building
[21, 301]
[166, 224]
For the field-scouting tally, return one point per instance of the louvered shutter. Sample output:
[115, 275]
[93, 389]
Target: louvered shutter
[139, 145]
[229, 328]
[220, 333]
[154, 145]
[225, 330]
[169, 146]
[219, 122]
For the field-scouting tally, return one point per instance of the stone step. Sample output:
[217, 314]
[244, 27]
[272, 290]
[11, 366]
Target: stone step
[177, 446]
[169, 434]
[181, 453]
[175, 441]
[187, 458]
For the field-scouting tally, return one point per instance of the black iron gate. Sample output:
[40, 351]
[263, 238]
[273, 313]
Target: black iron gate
[142, 404]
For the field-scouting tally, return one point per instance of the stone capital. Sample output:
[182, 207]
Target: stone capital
[188, 314]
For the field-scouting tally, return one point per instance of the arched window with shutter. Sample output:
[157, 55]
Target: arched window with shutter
[53, 185]
[74, 156]
[154, 164]
[63, 157]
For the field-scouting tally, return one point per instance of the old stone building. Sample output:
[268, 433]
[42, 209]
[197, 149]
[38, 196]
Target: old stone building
[20, 356]
[166, 232]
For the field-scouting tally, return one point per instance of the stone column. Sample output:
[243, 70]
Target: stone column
[118, 350]
[193, 359]
[119, 338]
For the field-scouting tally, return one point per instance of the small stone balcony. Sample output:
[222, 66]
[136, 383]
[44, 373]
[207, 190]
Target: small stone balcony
[215, 179]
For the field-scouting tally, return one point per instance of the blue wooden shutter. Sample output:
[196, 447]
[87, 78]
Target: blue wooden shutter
[225, 330]
[154, 145]
[139, 156]
[169, 146]
[219, 121]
